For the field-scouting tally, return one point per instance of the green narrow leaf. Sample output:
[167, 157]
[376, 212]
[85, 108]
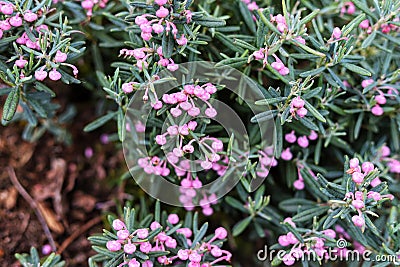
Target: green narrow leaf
[357, 69]
[10, 106]
[247, 16]
[354, 23]
[314, 111]
[309, 17]
[364, 8]
[241, 226]
[278, 136]
[200, 234]
[99, 122]
[210, 22]
[368, 40]
[168, 44]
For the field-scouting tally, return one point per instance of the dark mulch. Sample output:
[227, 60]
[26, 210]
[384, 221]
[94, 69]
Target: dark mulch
[71, 190]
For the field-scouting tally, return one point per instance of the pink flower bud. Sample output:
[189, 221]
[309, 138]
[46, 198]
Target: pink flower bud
[195, 257]
[206, 165]
[40, 75]
[297, 102]
[146, 37]
[88, 152]
[210, 112]
[87, 4]
[329, 233]
[54, 75]
[385, 151]
[117, 224]
[160, 2]
[194, 111]
[176, 112]
[171, 243]
[158, 28]
[357, 177]
[289, 221]
[303, 141]
[284, 71]
[129, 248]
[208, 211]
[377, 110]
[113, 245]
[313, 135]
[15, 21]
[185, 231]
[290, 137]
[354, 163]
[145, 247]
[298, 184]
[288, 259]
[5, 25]
[46, 249]
[7, 9]
[123, 234]
[127, 88]
[358, 221]
[380, 99]
[216, 252]
[358, 204]
[133, 263]
[161, 140]
[259, 54]
[302, 112]
[336, 33]
[291, 238]
[20, 63]
[366, 83]
[286, 154]
[173, 67]
[29, 16]
[140, 20]
[182, 40]
[155, 225]
[192, 125]
[300, 40]
[277, 65]
[183, 254]
[142, 233]
[281, 27]
[367, 167]
[162, 12]
[364, 24]
[221, 233]
[173, 218]
[60, 57]
[217, 145]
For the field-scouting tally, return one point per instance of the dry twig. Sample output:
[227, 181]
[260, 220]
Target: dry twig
[33, 204]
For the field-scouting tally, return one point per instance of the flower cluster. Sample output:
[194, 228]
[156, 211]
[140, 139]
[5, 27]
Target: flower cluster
[266, 159]
[359, 199]
[297, 107]
[33, 37]
[312, 244]
[168, 244]
[262, 54]
[186, 100]
[89, 5]
[145, 55]
[251, 5]
[162, 22]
